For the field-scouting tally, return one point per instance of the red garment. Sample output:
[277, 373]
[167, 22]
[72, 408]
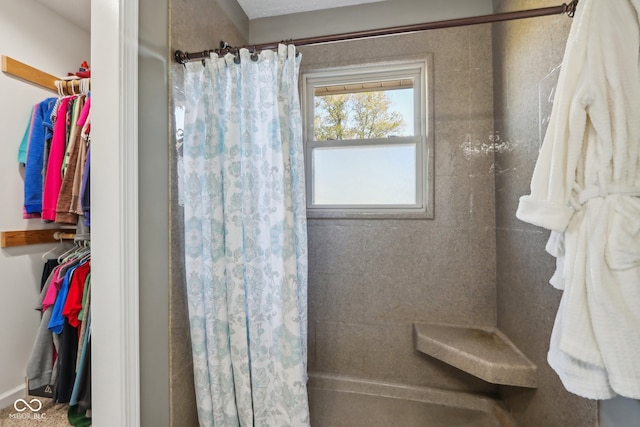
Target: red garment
[73, 303]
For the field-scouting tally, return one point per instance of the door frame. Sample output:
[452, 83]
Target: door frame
[114, 217]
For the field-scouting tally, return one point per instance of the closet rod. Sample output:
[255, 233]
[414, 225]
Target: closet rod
[569, 9]
[34, 237]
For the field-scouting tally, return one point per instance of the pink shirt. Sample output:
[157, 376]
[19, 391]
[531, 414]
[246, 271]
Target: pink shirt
[53, 178]
[52, 292]
[84, 114]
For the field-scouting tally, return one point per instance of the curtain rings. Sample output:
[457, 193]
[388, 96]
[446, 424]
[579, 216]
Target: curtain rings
[254, 54]
[570, 9]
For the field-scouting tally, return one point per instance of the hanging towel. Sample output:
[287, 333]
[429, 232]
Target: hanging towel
[586, 188]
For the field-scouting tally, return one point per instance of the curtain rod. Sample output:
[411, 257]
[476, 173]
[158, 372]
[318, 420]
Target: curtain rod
[569, 9]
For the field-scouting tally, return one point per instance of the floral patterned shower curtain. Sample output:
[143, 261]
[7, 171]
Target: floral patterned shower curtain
[242, 187]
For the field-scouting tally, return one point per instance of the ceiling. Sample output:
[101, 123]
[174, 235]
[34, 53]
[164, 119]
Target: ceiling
[265, 8]
[76, 11]
[79, 11]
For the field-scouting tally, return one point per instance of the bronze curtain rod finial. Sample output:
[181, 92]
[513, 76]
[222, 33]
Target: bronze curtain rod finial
[181, 57]
[570, 9]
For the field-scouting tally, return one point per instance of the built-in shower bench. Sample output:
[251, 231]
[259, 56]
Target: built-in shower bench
[484, 352]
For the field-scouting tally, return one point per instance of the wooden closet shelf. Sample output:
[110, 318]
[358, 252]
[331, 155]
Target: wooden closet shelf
[34, 237]
[40, 78]
[28, 73]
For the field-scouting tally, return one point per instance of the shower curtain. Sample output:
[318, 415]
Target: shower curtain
[242, 188]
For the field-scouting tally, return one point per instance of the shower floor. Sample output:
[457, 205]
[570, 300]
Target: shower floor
[338, 402]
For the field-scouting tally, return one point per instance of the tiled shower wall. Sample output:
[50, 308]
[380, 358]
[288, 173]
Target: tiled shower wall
[526, 53]
[369, 280]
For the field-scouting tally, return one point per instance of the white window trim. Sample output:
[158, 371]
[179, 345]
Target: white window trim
[423, 136]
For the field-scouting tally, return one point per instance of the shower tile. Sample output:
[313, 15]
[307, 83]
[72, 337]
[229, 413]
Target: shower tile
[336, 297]
[388, 349]
[449, 253]
[482, 148]
[311, 345]
[398, 249]
[533, 343]
[337, 249]
[451, 204]
[450, 48]
[391, 300]
[482, 200]
[180, 354]
[480, 48]
[339, 347]
[178, 309]
[449, 146]
[452, 94]
[482, 246]
[183, 412]
[529, 267]
[195, 28]
[481, 94]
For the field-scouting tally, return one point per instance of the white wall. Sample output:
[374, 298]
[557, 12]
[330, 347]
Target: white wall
[31, 34]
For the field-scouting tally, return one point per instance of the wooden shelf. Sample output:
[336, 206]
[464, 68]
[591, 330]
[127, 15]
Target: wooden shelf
[28, 73]
[33, 237]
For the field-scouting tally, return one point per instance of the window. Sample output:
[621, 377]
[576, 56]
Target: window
[367, 152]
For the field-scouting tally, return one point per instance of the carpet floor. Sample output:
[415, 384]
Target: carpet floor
[49, 415]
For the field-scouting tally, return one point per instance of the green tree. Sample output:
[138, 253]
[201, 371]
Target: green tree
[332, 115]
[361, 115]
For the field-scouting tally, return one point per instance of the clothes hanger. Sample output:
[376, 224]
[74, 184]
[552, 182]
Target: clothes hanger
[61, 246]
[58, 84]
[85, 257]
[71, 253]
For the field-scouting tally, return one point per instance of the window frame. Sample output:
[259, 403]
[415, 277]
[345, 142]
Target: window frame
[419, 71]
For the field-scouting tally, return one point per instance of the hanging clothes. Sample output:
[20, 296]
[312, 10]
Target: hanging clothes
[65, 208]
[586, 189]
[56, 358]
[34, 158]
[54, 152]
[53, 178]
